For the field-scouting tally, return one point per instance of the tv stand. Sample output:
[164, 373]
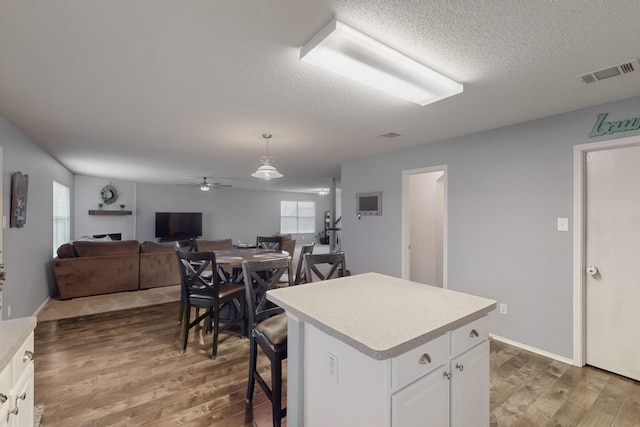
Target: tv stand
[175, 239]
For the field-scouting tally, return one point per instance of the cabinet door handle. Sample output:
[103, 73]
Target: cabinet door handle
[3, 398]
[447, 375]
[14, 411]
[460, 367]
[23, 396]
[425, 359]
[474, 334]
[28, 355]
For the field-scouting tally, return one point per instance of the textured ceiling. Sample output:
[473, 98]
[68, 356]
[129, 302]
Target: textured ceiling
[170, 91]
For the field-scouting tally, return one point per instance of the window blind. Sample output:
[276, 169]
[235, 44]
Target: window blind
[61, 215]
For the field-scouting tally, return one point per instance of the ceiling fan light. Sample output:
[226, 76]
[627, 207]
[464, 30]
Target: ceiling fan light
[204, 187]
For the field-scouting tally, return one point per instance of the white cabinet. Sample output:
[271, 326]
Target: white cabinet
[470, 387]
[5, 387]
[424, 402]
[451, 390]
[16, 388]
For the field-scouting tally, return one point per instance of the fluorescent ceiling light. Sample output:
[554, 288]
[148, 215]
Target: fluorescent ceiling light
[346, 51]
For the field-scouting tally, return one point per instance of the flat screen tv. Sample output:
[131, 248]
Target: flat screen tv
[178, 225]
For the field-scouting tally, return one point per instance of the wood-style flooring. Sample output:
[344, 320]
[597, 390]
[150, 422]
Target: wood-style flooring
[124, 368]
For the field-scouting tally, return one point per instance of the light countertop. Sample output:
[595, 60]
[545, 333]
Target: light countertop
[13, 332]
[378, 315]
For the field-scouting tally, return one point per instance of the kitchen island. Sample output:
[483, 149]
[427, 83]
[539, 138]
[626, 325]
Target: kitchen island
[376, 350]
[16, 372]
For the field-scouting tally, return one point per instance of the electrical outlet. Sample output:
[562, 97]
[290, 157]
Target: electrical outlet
[503, 309]
[333, 367]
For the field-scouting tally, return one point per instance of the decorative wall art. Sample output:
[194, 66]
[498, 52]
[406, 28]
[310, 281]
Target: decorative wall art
[19, 189]
[109, 194]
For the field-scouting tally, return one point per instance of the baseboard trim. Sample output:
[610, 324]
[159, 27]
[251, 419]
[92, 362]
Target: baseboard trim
[532, 349]
[42, 306]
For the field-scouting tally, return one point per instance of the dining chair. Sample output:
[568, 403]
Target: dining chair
[188, 245]
[289, 246]
[205, 290]
[216, 245]
[325, 266]
[269, 242]
[268, 325]
[300, 271]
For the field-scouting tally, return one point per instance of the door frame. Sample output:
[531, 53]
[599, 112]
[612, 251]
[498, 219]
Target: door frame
[579, 237]
[406, 229]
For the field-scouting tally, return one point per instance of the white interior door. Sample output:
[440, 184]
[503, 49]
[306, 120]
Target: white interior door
[613, 256]
[1, 245]
[423, 226]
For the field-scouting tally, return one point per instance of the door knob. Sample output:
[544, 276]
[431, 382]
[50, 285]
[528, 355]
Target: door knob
[592, 270]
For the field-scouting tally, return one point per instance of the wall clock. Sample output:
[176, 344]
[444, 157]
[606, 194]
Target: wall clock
[109, 194]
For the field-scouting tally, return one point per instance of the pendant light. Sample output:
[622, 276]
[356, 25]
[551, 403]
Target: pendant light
[266, 170]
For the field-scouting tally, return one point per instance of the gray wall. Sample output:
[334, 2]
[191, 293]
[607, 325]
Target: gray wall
[28, 250]
[506, 187]
[239, 214]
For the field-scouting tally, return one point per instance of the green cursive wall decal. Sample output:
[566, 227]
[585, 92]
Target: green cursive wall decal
[608, 128]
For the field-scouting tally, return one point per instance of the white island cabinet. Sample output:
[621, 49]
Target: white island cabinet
[375, 350]
[16, 372]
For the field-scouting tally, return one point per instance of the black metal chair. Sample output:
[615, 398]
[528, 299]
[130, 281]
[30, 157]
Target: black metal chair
[202, 289]
[269, 242]
[268, 325]
[325, 266]
[188, 245]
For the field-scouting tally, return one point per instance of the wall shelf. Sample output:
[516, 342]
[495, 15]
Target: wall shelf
[107, 212]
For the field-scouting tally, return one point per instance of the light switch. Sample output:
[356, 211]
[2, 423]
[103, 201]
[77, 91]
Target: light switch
[563, 224]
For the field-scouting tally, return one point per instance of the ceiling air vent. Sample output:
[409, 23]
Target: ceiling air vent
[390, 135]
[616, 70]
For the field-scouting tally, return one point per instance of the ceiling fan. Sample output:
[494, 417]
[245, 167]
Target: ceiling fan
[205, 185]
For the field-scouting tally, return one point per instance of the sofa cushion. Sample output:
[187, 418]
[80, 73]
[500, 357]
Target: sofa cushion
[153, 247]
[89, 249]
[66, 251]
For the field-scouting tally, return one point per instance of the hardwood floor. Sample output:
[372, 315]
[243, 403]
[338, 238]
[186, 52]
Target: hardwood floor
[124, 368]
[531, 390]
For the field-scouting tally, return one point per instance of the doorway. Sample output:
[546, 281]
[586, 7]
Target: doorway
[1, 243]
[424, 225]
[607, 236]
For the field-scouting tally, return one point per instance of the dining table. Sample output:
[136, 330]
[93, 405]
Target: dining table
[232, 259]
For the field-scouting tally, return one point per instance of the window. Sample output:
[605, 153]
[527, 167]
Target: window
[297, 217]
[61, 216]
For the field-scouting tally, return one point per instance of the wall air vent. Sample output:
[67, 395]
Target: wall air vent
[616, 70]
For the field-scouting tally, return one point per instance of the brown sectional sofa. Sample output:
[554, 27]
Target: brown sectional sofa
[85, 268]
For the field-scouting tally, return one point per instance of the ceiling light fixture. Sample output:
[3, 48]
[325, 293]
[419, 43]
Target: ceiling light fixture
[344, 50]
[323, 192]
[266, 170]
[204, 185]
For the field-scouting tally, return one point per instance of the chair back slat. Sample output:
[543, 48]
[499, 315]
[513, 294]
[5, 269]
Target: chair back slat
[195, 272]
[300, 271]
[187, 245]
[324, 266]
[259, 277]
[269, 242]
